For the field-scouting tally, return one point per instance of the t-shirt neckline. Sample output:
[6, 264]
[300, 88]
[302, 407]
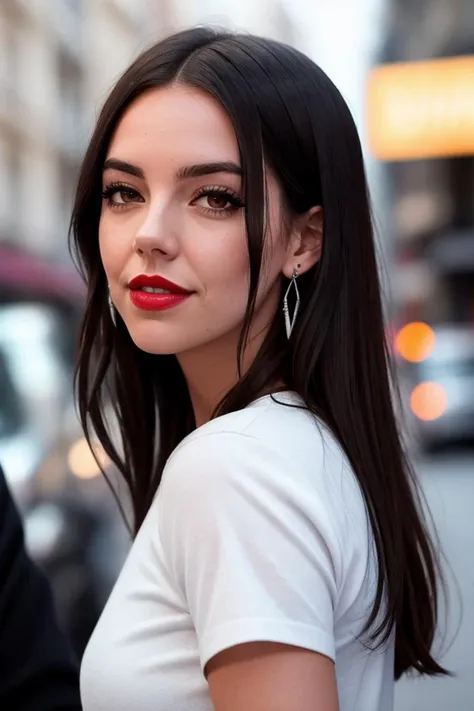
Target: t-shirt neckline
[285, 396]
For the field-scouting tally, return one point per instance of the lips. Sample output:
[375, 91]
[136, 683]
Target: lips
[167, 294]
[156, 282]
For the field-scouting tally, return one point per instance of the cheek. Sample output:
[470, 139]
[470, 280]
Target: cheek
[113, 248]
[106, 253]
[225, 268]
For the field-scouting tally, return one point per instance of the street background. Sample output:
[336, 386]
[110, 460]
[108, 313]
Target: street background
[406, 69]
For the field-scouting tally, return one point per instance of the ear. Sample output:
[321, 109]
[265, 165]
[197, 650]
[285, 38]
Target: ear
[306, 242]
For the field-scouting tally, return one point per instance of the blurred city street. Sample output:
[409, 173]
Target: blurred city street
[448, 482]
[406, 70]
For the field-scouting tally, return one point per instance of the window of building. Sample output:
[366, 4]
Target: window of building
[67, 177]
[70, 101]
[11, 181]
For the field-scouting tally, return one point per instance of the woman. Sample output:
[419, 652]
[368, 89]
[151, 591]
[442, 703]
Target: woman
[280, 561]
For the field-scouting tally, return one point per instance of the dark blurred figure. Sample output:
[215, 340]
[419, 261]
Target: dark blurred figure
[37, 668]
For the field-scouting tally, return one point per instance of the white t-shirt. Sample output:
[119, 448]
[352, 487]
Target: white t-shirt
[258, 532]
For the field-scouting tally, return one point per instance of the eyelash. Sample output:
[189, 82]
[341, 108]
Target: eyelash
[206, 191]
[216, 190]
[110, 190]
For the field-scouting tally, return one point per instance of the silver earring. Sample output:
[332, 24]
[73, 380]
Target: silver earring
[112, 309]
[290, 320]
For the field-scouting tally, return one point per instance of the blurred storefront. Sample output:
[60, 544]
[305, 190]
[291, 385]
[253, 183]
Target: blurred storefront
[420, 113]
[420, 121]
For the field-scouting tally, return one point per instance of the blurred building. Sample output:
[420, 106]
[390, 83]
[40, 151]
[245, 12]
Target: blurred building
[58, 60]
[271, 18]
[421, 111]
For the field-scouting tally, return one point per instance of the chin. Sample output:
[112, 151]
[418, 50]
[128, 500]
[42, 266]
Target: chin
[157, 341]
[154, 346]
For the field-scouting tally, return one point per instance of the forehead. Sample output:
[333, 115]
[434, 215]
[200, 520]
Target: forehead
[176, 124]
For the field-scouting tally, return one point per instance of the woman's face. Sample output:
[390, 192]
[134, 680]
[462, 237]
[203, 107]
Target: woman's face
[172, 209]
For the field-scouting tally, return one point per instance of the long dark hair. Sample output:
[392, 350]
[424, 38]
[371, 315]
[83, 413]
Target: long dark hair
[286, 111]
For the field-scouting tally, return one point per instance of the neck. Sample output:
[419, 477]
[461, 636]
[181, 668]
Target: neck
[212, 370]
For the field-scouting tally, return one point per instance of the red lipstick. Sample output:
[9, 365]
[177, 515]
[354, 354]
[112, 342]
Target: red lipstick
[155, 293]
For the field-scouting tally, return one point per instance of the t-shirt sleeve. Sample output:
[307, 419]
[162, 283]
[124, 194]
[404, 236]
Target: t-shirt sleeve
[250, 544]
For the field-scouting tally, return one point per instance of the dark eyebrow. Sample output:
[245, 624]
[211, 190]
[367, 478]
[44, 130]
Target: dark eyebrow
[123, 167]
[197, 171]
[185, 173]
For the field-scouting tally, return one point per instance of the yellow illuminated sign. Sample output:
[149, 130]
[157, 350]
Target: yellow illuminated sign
[421, 109]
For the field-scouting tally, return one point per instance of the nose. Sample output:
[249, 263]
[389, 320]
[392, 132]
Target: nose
[156, 237]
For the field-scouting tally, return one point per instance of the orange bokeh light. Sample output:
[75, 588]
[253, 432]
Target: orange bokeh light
[429, 401]
[415, 341]
[421, 109]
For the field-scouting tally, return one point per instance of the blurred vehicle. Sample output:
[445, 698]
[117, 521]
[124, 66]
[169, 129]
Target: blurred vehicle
[40, 307]
[21, 448]
[72, 526]
[35, 386]
[438, 372]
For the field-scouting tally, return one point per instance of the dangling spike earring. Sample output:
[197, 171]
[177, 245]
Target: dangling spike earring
[290, 321]
[112, 310]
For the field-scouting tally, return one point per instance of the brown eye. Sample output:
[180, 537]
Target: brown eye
[217, 202]
[123, 196]
[118, 195]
